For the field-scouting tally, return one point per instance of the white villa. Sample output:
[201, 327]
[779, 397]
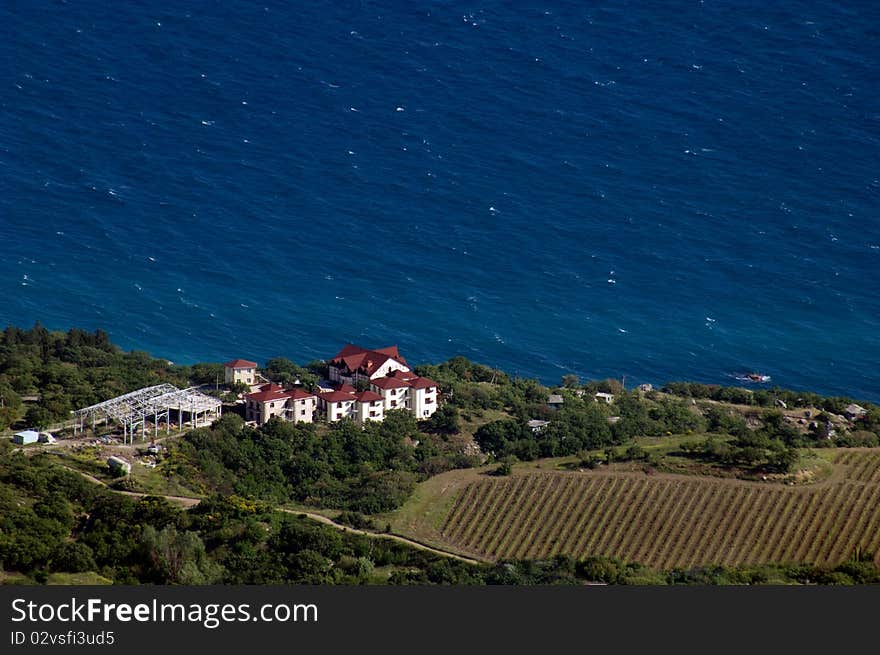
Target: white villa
[392, 386]
[354, 363]
[346, 402]
[295, 405]
[407, 390]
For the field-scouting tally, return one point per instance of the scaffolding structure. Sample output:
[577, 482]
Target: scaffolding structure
[133, 409]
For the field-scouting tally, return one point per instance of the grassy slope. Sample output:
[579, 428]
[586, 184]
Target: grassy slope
[422, 516]
[88, 578]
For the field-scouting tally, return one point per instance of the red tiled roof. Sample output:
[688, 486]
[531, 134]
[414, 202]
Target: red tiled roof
[345, 387]
[398, 379]
[240, 363]
[272, 394]
[367, 396]
[274, 391]
[389, 383]
[367, 361]
[335, 396]
[351, 349]
[355, 358]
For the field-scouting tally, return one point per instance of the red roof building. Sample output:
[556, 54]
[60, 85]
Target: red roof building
[336, 396]
[367, 396]
[240, 363]
[297, 405]
[240, 370]
[406, 390]
[389, 383]
[422, 383]
[354, 363]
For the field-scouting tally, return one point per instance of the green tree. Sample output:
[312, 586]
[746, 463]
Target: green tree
[176, 557]
[446, 420]
[494, 437]
[310, 567]
[38, 417]
[74, 557]
[570, 381]
[284, 371]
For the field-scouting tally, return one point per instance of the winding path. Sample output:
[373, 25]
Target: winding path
[384, 535]
[188, 501]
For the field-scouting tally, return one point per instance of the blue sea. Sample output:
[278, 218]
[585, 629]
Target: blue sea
[662, 191]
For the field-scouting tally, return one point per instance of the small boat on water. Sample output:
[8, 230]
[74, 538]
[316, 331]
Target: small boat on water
[753, 377]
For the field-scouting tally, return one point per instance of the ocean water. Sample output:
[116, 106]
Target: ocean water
[685, 190]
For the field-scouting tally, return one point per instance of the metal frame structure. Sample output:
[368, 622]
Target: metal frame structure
[132, 410]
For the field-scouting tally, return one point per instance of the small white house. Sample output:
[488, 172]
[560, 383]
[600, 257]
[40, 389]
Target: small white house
[537, 425]
[603, 397]
[854, 412]
[26, 437]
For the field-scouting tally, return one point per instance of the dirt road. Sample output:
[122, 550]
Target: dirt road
[187, 502]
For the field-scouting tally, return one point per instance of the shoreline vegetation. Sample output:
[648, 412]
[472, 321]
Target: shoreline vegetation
[65, 517]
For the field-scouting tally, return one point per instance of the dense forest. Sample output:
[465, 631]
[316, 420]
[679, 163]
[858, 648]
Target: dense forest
[63, 371]
[369, 470]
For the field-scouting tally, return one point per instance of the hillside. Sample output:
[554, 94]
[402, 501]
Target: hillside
[653, 484]
[662, 520]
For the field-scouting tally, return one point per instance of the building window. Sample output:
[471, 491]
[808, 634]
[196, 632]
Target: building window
[394, 403]
[428, 401]
[302, 412]
[374, 413]
[271, 404]
[425, 412]
[338, 415]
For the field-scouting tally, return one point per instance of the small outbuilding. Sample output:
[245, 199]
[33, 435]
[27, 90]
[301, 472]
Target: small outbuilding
[26, 437]
[854, 412]
[536, 425]
[555, 400]
[603, 397]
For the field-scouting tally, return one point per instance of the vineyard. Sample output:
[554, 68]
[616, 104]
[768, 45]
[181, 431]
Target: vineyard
[668, 521]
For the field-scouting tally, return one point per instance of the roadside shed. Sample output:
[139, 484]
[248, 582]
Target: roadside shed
[26, 437]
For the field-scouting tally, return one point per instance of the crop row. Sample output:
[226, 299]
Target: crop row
[669, 521]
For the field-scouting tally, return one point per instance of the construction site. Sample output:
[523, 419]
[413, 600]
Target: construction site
[144, 411]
